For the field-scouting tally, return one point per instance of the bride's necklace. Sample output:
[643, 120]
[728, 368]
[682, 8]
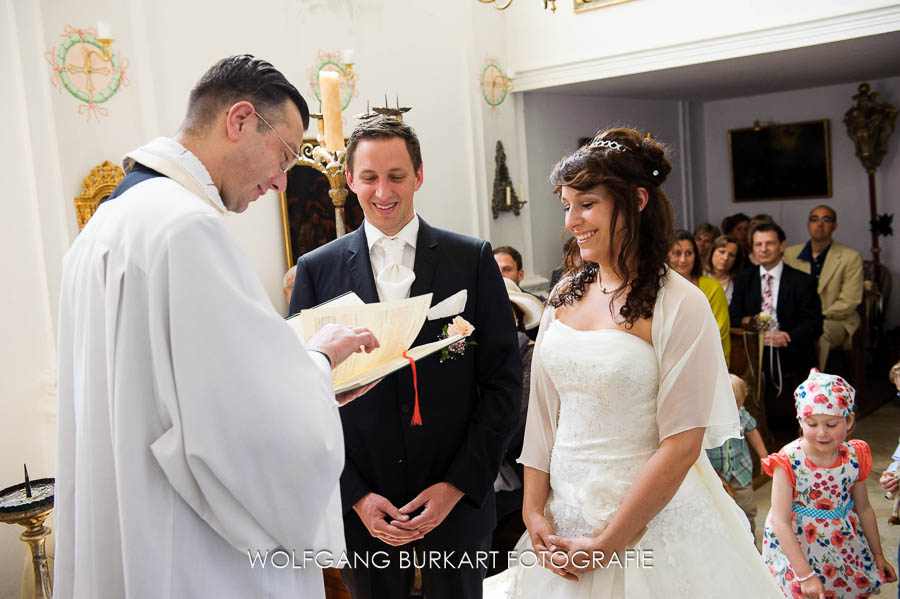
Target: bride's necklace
[606, 291]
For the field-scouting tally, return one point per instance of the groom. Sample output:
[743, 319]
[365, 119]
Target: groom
[427, 487]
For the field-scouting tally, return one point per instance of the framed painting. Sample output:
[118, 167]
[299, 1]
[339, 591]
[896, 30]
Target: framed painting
[781, 162]
[307, 213]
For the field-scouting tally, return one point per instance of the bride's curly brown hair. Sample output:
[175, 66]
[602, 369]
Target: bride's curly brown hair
[623, 160]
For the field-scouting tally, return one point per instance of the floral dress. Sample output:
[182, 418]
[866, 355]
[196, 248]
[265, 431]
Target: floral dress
[825, 522]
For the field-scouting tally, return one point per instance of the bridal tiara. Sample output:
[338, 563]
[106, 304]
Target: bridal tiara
[607, 143]
[614, 145]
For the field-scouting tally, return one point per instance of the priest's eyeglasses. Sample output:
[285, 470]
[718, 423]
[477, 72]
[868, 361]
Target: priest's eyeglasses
[289, 163]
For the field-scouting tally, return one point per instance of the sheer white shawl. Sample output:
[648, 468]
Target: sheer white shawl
[694, 389]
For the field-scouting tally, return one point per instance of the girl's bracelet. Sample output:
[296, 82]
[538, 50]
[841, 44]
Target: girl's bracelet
[807, 577]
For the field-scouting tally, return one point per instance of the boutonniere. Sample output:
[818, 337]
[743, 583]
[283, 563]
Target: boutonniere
[459, 326]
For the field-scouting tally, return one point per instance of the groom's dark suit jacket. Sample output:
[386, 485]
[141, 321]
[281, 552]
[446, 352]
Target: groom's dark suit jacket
[469, 406]
[799, 312]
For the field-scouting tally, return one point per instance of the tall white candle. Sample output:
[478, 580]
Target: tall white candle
[508, 196]
[103, 30]
[330, 90]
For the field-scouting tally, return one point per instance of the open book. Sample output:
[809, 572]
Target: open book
[394, 324]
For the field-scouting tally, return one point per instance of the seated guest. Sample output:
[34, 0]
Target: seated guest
[510, 262]
[287, 283]
[683, 260]
[838, 271]
[722, 263]
[755, 222]
[790, 297]
[508, 486]
[703, 236]
[736, 226]
[571, 260]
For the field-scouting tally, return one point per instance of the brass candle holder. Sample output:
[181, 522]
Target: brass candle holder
[330, 164]
[28, 504]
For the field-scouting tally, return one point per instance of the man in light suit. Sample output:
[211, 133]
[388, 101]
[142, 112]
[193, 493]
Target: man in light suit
[427, 487]
[791, 296]
[838, 270]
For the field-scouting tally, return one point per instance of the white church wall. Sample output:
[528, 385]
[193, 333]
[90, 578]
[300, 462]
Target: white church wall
[426, 54]
[27, 361]
[647, 35]
[850, 196]
[553, 124]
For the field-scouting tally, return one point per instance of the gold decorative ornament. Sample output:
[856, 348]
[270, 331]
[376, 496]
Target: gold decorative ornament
[332, 166]
[101, 182]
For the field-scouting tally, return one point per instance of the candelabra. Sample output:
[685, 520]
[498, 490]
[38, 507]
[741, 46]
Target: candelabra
[332, 165]
[28, 504]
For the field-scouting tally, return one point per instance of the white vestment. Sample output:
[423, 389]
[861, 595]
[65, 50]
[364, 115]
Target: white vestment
[193, 426]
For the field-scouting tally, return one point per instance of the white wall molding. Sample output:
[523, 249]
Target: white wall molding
[795, 35]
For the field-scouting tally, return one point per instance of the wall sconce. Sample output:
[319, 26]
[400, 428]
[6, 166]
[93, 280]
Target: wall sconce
[504, 198]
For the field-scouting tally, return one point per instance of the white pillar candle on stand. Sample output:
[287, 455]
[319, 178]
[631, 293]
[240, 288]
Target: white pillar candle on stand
[103, 30]
[330, 90]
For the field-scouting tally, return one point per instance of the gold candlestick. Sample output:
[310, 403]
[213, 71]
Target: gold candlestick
[18, 506]
[330, 164]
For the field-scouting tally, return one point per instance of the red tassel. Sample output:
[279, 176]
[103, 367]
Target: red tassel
[417, 417]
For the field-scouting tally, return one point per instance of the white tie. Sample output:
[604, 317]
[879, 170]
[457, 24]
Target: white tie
[394, 279]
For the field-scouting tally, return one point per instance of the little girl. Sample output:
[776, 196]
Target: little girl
[821, 538]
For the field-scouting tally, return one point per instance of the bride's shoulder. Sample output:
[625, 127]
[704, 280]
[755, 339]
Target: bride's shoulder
[679, 293]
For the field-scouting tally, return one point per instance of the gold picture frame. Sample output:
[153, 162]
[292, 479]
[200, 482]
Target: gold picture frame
[586, 5]
[99, 183]
[307, 212]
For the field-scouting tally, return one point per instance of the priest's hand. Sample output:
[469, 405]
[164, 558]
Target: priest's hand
[373, 509]
[438, 500]
[338, 342]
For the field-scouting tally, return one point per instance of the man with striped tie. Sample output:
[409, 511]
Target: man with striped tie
[789, 296]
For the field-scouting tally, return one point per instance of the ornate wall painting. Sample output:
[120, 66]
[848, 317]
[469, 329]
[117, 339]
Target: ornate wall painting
[495, 85]
[334, 61]
[88, 68]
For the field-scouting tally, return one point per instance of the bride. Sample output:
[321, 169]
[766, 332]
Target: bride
[628, 386]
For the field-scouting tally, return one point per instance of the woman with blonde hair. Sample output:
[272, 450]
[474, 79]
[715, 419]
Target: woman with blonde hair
[723, 263]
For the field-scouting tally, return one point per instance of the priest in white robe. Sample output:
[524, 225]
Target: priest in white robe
[195, 431]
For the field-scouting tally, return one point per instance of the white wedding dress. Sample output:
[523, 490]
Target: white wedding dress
[604, 388]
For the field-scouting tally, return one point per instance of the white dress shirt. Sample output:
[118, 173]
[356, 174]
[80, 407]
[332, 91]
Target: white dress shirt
[377, 254]
[775, 283]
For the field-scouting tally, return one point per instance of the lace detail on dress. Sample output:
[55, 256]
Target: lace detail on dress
[607, 383]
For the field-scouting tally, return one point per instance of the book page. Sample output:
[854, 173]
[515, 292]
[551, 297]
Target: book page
[416, 353]
[394, 324]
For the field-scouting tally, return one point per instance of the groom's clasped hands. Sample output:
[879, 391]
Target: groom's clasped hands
[396, 526]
